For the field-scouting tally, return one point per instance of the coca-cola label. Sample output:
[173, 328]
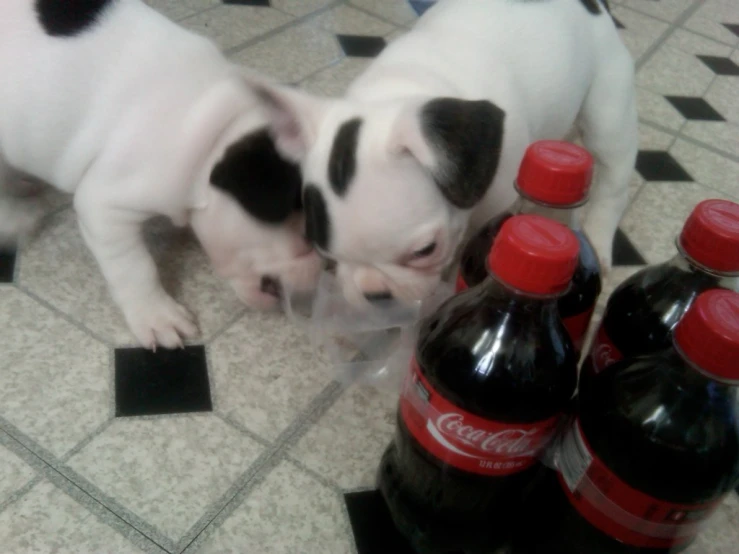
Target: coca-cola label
[603, 352]
[577, 327]
[619, 510]
[466, 441]
[461, 284]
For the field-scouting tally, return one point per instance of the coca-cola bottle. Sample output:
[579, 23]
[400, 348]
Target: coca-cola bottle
[553, 180]
[654, 449]
[643, 310]
[493, 371]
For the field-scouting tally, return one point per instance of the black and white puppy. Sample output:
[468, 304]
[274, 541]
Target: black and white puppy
[426, 143]
[111, 102]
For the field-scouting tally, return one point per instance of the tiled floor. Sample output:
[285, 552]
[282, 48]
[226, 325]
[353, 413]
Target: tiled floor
[255, 446]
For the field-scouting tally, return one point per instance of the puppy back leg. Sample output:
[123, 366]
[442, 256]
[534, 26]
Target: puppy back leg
[114, 235]
[609, 127]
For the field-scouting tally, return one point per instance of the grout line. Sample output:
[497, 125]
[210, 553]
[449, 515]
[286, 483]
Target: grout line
[324, 68]
[99, 510]
[226, 326]
[661, 18]
[314, 474]
[674, 26]
[261, 468]
[408, 25]
[695, 142]
[710, 148]
[277, 30]
[241, 429]
[87, 440]
[121, 513]
[21, 492]
[64, 316]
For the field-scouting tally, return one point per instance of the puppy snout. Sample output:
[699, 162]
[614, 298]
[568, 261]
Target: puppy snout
[301, 247]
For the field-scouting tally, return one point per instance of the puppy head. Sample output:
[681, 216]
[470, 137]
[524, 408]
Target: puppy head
[388, 186]
[251, 224]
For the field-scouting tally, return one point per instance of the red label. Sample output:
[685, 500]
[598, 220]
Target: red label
[577, 327]
[460, 284]
[466, 441]
[617, 509]
[603, 353]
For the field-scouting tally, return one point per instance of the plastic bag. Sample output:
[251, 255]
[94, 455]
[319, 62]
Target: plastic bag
[371, 343]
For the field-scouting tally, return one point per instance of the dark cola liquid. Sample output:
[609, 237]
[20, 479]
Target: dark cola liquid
[644, 309]
[663, 429]
[575, 307]
[499, 356]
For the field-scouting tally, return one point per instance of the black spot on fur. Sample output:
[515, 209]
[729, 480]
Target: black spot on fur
[317, 224]
[343, 160]
[595, 6]
[264, 183]
[70, 18]
[468, 136]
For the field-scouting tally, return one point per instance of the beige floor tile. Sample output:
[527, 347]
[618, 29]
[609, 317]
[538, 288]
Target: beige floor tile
[53, 377]
[232, 26]
[346, 444]
[166, 471]
[47, 520]
[288, 513]
[293, 54]
[264, 373]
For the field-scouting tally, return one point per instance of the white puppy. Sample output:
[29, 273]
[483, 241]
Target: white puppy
[110, 101]
[426, 144]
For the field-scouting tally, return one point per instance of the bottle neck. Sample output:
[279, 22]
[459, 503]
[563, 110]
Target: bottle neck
[682, 261]
[567, 215]
[686, 373]
[497, 288]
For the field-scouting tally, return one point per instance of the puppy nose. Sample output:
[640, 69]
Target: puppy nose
[378, 296]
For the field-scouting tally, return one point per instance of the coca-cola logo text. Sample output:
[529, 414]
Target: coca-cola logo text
[507, 442]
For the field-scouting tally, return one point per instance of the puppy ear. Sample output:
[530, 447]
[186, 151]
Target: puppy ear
[294, 116]
[254, 174]
[457, 141]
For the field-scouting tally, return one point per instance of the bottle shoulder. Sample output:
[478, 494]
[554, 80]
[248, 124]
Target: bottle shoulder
[492, 353]
[661, 429]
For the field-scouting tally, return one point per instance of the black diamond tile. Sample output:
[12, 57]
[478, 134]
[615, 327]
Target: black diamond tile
[374, 531]
[695, 108]
[258, 3]
[733, 27]
[420, 7]
[7, 265]
[654, 165]
[619, 25]
[360, 46]
[161, 382]
[720, 65]
[625, 253]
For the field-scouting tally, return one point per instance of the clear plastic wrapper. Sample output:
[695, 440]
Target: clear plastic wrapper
[370, 343]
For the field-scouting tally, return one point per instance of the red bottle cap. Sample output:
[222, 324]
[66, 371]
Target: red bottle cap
[710, 235]
[534, 254]
[708, 334]
[555, 172]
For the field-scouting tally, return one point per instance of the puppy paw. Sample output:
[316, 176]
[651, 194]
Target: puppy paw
[161, 322]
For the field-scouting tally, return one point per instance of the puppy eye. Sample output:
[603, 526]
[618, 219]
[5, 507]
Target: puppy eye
[425, 251]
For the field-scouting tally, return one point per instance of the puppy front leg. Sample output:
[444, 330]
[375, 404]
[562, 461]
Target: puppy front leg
[115, 238]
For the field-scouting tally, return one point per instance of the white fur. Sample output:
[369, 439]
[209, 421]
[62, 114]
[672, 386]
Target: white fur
[549, 64]
[130, 117]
